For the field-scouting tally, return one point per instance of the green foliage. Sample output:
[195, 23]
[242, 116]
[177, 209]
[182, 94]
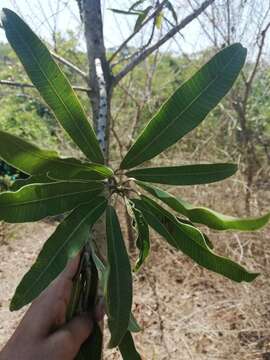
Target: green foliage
[143, 241]
[205, 216]
[36, 201]
[52, 84]
[142, 13]
[184, 175]
[128, 349]
[19, 115]
[31, 160]
[92, 347]
[65, 243]
[59, 185]
[177, 116]
[119, 283]
[190, 241]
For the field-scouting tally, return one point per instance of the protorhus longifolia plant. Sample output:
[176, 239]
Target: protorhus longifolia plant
[84, 190]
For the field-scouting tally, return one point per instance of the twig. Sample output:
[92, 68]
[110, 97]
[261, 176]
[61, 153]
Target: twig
[120, 145]
[143, 55]
[257, 62]
[213, 22]
[69, 65]
[152, 16]
[27, 85]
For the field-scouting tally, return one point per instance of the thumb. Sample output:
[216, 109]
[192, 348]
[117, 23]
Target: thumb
[73, 334]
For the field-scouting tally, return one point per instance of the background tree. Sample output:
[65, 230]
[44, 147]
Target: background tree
[248, 22]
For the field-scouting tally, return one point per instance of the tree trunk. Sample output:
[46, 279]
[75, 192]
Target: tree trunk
[100, 94]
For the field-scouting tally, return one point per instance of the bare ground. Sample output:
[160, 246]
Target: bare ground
[186, 313]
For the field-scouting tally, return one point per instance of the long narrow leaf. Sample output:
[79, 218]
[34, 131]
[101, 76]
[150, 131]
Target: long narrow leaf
[51, 83]
[128, 349]
[190, 241]
[124, 12]
[32, 160]
[143, 241]
[203, 215]
[133, 326]
[184, 175]
[119, 284]
[92, 347]
[34, 202]
[170, 7]
[188, 106]
[136, 4]
[141, 17]
[66, 242]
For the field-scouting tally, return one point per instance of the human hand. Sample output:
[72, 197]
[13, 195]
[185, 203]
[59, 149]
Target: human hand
[43, 332]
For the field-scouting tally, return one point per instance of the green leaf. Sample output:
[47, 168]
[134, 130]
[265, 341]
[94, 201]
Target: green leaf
[65, 243]
[103, 276]
[128, 349]
[101, 268]
[142, 242]
[190, 241]
[52, 84]
[92, 347]
[204, 240]
[119, 284]
[203, 215]
[133, 325]
[29, 159]
[170, 7]
[35, 179]
[158, 21]
[136, 4]
[34, 202]
[188, 106]
[141, 17]
[124, 12]
[184, 175]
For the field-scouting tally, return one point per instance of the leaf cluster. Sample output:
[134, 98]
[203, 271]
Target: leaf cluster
[82, 190]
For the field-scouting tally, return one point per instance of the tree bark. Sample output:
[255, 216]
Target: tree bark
[93, 28]
[90, 11]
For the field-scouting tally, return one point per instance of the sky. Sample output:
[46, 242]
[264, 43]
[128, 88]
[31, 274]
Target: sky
[42, 15]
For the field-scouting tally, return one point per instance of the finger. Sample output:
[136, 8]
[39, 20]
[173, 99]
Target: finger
[72, 335]
[49, 307]
[71, 269]
[61, 286]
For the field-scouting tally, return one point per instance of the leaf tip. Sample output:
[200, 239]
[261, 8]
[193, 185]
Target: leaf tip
[253, 276]
[14, 306]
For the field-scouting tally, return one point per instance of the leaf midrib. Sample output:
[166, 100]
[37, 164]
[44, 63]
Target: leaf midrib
[48, 198]
[141, 173]
[170, 124]
[61, 247]
[56, 93]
